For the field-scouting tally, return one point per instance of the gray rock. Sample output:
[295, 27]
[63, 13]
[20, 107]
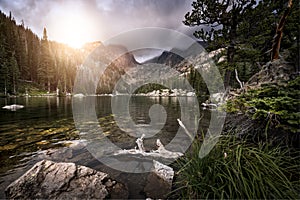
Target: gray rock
[13, 107]
[47, 179]
[277, 71]
[159, 181]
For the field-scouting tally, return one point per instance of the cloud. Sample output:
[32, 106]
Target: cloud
[110, 17]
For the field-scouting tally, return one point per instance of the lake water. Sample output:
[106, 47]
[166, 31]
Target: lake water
[45, 129]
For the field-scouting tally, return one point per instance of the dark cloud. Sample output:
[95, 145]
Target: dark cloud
[111, 16]
[30, 11]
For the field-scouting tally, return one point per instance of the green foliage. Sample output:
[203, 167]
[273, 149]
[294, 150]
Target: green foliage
[252, 37]
[238, 170]
[219, 22]
[14, 72]
[279, 104]
[45, 69]
[258, 34]
[235, 106]
[196, 81]
[220, 17]
[32, 89]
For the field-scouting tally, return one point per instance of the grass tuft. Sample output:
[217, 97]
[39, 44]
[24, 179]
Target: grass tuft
[238, 170]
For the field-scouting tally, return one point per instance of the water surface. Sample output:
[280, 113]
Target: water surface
[44, 129]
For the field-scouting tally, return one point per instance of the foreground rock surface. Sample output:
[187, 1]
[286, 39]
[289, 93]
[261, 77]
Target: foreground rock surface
[50, 180]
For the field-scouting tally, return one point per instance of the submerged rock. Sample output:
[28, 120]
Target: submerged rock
[159, 181]
[47, 179]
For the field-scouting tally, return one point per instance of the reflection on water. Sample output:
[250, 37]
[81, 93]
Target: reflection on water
[45, 128]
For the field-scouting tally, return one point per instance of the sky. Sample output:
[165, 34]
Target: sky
[69, 21]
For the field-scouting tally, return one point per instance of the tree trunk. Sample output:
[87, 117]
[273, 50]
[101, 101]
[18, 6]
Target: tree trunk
[230, 53]
[65, 86]
[279, 32]
[49, 86]
[5, 88]
[14, 84]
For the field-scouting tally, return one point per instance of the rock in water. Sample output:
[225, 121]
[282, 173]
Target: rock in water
[50, 180]
[159, 181]
[13, 107]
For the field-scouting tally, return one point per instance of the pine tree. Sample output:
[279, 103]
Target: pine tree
[221, 20]
[14, 72]
[22, 52]
[3, 70]
[44, 71]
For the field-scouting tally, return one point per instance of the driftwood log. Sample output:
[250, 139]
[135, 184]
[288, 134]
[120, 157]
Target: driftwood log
[161, 152]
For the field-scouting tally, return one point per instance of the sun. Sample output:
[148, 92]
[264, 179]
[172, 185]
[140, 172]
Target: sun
[72, 28]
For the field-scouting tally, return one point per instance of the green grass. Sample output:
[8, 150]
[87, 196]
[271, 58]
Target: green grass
[247, 171]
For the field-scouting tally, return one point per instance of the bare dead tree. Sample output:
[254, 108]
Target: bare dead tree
[238, 80]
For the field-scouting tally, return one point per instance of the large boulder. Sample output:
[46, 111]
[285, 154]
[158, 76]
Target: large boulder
[50, 180]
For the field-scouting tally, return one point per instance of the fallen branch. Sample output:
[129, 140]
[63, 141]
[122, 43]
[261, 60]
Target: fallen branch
[234, 94]
[185, 129]
[209, 105]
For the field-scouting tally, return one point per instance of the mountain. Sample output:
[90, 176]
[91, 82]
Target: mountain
[102, 69]
[122, 61]
[167, 57]
[173, 57]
